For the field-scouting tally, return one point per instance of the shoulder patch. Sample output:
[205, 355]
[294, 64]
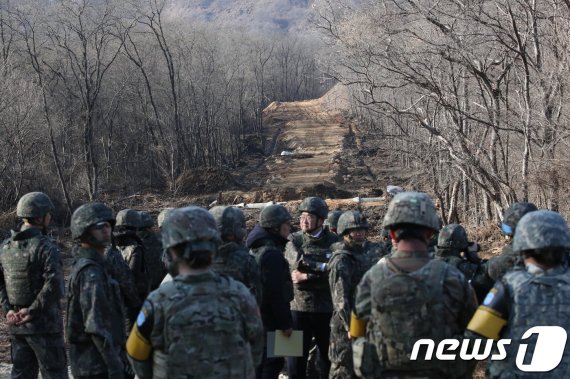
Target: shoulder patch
[490, 296]
[141, 318]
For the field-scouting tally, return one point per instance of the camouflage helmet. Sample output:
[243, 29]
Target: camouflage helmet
[129, 218]
[272, 216]
[541, 229]
[351, 220]
[332, 219]
[316, 206]
[385, 232]
[192, 225]
[146, 220]
[230, 221]
[453, 236]
[87, 215]
[513, 214]
[34, 204]
[163, 215]
[412, 208]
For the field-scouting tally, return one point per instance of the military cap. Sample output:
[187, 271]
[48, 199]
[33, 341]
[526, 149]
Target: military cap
[191, 225]
[87, 215]
[414, 208]
[541, 230]
[34, 204]
[316, 206]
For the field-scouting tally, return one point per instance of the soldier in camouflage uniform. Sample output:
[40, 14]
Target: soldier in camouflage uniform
[407, 296]
[201, 324]
[121, 272]
[508, 259]
[152, 246]
[332, 220]
[351, 259]
[233, 258]
[454, 248]
[31, 286]
[536, 295]
[95, 320]
[308, 254]
[266, 242]
[132, 250]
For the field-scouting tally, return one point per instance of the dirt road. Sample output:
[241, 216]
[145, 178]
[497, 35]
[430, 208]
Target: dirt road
[313, 133]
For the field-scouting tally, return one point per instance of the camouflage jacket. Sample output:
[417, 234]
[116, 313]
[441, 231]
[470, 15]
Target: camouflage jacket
[234, 260]
[95, 320]
[347, 266]
[31, 275]
[201, 326]
[152, 245]
[121, 272]
[530, 299]
[133, 253]
[428, 299]
[476, 273]
[311, 255]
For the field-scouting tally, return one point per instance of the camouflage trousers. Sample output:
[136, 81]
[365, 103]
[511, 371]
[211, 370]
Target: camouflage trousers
[38, 352]
[340, 352]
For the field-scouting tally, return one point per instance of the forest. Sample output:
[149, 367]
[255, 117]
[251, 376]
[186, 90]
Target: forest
[112, 97]
[105, 96]
[472, 93]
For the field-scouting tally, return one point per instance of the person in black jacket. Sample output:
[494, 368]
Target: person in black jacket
[266, 243]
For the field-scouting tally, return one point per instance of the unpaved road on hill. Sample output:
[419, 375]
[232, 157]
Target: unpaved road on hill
[314, 132]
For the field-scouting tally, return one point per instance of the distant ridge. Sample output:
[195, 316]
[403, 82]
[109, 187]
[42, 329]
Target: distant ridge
[255, 15]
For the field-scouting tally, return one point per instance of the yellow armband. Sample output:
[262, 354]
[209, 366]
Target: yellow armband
[138, 347]
[138, 343]
[357, 326]
[491, 316]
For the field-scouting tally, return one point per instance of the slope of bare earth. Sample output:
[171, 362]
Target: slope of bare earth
[313, 132]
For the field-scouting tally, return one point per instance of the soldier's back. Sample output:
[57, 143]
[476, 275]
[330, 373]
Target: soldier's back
[153, 258]
[434, 301]
[30, 261]
[234, 260]
[533, 300]
[199, 326]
